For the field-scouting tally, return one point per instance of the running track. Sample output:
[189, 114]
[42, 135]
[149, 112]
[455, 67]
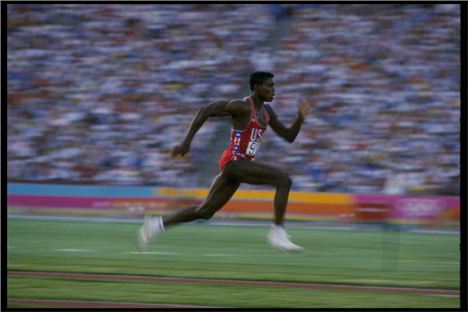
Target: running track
[156, 279]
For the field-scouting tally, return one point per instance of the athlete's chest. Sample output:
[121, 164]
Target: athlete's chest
[252, 119]
[260, 117]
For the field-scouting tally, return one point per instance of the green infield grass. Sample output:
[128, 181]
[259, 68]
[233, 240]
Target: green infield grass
[203, 250]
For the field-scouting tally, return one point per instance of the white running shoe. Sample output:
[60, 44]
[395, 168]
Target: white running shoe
[279, 239]
[152, 226]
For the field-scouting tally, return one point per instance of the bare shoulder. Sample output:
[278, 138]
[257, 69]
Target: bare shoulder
[238, 106]
[239, 102]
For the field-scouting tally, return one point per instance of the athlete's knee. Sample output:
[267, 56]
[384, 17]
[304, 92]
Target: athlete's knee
[203, 213]
[285, 181]
[206, 215]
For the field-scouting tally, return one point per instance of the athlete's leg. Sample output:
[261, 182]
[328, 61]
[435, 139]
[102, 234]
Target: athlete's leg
[257, 173]
[221, 191]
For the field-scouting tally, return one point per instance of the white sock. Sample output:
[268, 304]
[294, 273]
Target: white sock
[280, 230]
[162, 224]
[157, 223]
[276, 227]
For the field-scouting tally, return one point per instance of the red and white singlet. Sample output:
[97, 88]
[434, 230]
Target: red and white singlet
[245, 143]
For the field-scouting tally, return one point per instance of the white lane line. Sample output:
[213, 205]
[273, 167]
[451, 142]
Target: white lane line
[443, 295]
[151, 253]
[75, 250]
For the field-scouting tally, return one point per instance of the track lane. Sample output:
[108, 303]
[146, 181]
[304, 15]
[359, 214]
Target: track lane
[85, 304]
[146, 278]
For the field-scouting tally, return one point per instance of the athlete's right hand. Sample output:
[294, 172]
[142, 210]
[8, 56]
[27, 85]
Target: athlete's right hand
[180, 149]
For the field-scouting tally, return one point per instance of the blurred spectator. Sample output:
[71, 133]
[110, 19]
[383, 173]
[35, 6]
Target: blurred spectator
[100, 93]
[388, 85]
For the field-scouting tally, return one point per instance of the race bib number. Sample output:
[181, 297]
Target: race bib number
[252, 148]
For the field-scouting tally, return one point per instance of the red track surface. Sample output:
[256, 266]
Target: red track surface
[156, 279]
[83, 304]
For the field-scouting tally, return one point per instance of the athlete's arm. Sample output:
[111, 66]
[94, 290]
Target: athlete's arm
[290, 134]
[215, 109]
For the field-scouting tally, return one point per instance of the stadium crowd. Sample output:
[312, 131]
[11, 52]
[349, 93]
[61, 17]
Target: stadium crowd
[100, 93]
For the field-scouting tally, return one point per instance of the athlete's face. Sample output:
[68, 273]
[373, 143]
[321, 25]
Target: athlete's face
[266, 90]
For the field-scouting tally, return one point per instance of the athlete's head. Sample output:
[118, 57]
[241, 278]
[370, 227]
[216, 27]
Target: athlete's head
[262, 85]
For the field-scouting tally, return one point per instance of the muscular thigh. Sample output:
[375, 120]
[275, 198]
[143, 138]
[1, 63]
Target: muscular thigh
[220, 192]
[250, 172]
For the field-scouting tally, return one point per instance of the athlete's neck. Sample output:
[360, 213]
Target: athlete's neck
[258, 102]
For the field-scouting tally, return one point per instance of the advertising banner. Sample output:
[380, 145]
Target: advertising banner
[426, 210]
[252, 204]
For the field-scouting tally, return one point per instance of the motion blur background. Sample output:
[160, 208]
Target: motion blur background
[100, 93]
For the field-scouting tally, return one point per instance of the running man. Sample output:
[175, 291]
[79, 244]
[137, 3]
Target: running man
[250, 117]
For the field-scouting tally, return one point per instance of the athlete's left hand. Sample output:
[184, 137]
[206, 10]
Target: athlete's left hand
[306, 105]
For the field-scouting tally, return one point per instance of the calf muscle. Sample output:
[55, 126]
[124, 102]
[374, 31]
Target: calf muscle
[257, 173]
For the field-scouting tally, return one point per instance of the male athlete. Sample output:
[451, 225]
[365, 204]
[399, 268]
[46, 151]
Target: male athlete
[250, 117]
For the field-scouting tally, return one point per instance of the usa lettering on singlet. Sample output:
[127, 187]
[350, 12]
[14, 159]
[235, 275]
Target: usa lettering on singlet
[245, 143]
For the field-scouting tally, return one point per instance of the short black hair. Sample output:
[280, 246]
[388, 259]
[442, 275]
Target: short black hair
[258, 78]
